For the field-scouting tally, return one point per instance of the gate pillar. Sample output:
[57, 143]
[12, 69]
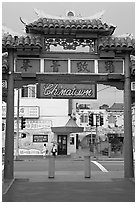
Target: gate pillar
[128, 146]
[9, 136]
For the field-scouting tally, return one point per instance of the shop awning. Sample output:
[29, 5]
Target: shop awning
[70, 127]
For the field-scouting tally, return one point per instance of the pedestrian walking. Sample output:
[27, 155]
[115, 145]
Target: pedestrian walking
[54, 150]
[44, 151]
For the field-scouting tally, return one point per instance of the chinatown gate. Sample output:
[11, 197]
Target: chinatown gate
[65, 74]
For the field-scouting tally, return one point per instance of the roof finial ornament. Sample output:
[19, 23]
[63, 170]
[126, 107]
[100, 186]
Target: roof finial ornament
[70, 14]
[22, 21]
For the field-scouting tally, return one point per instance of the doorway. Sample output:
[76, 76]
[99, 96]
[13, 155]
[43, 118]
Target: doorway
[62, 144]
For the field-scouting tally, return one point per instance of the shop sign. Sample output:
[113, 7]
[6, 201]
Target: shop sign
[38, 124]
[40, 138]
[82, 106]
[4, 84]
[24, 111]
[29, 152]
[133, 86]
[34, 124]
[82, 91]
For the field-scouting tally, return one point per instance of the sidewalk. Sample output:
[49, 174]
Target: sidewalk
[38, 190]
[69, 186]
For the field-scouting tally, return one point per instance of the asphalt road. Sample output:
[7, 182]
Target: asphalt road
[67, 165]
[113, 165]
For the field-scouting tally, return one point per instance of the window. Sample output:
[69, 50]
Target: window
[71, 140]
[28, 91]
[84, 118]
[111, 119]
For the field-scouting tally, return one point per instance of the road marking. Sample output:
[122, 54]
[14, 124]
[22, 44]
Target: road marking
[2, 167]
[100, 166]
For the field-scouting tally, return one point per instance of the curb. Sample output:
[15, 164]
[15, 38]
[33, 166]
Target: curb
[6, 185]
[99, 159]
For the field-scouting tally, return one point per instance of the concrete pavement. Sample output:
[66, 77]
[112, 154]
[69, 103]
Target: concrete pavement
[69, 186]
[25, 190]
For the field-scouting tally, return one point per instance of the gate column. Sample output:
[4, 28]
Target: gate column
[128, 147]
[9, 136]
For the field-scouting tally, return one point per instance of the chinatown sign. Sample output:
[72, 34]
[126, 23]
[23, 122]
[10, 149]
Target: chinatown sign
[68, 91]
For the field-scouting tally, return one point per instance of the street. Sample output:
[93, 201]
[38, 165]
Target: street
[66, 165]
[69, 170]
[104, 169]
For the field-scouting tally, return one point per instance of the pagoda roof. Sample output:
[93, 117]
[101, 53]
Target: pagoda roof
[70, 26]
[35, 42]
[70, 127]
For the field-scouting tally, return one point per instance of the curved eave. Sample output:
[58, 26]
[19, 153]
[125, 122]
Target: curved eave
[47, 26]
[73, 31]
[25, 48]
[64, 129]
[119, 49]
[35, 42]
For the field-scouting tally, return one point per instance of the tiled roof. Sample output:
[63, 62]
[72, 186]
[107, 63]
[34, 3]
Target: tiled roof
[112, 43]
[116, 43]
[9, 41]
[47, 25]
[117, 107]
[5, 63]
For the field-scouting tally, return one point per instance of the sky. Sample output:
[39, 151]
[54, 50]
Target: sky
[120, 14]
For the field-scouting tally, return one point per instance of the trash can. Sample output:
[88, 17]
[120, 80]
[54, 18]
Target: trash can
[51, 172]
[87, 166]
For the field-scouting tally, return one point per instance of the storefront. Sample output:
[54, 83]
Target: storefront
[65, 136]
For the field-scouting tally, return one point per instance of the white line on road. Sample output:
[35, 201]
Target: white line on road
[2, 167]
[100, 166]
